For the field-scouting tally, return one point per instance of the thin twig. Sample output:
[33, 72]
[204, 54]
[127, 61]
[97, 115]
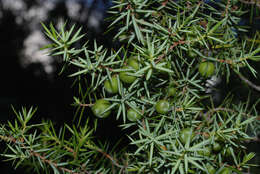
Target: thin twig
[225, 61]
[66, 147]
[164, 2]
[86, 105]
[226, 9]
[105, 154]
[53, 163]
[180, 42]
[13, 140]
[170, 49]
[43, 159]
[249, 82]
[110, 158]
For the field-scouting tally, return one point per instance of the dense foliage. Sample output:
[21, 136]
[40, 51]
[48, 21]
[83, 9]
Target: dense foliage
[154, 85]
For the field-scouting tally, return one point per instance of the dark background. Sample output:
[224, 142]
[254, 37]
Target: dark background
[31, 85]
[26, 83]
